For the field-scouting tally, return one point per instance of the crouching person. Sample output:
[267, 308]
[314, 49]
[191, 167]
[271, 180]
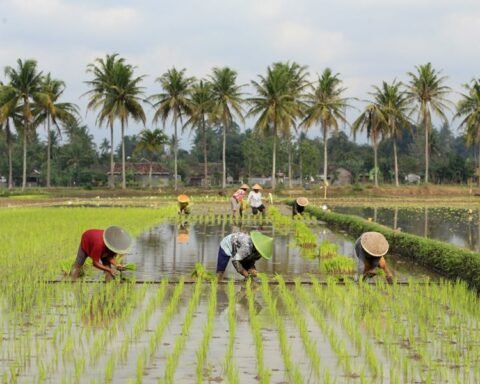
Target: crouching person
[370, 249]
[102, 246]
[244, 250]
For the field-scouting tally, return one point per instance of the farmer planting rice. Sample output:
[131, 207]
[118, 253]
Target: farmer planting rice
[370, 248]
[299, 206]
[236, 201]
[102, 246]
[255, 200]
[183, 204]
[244, 250]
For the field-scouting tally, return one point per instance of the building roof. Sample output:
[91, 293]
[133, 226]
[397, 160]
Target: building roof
[140, 168]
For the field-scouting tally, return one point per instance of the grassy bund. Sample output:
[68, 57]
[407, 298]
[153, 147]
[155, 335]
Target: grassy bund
[448, 260]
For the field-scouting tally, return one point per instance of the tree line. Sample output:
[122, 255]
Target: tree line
[284, 104]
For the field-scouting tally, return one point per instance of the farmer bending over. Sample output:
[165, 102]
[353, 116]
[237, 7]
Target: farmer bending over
[236, 201]
[370, 248]
[183, 202]
[299, 206]
[102, 246]
[244, 250]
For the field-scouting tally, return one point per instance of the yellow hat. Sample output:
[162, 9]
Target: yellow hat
[302, 201]
[374, 243]
[183, 198]
[244, 186]
[257, 186]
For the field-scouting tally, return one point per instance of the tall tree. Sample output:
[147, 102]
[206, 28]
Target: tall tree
[394, 105]
[25, 84]
[152, 143]
[201, 106]
[49, 110]
[275, 105]
[8, 115]
[326, 106]
[373, 121]
[468, 109]
[173, 102]
[227, 102]
[427, 91]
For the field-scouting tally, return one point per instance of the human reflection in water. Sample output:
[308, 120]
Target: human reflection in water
[241, 302]
[182, 234]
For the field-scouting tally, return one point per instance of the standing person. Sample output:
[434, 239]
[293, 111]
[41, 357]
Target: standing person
[244, 250]
[299, 206]
[370, 249]
[254, 199]
[183, 204]
[237, 199]
[102, 246]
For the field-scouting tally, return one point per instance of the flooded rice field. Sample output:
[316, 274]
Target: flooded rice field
[457, 226]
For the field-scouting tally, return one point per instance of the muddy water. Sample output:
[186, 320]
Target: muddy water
[460, 227]
[170, 250]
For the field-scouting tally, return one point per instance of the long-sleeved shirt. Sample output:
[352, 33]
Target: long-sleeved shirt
[238, 246]
[254, 199]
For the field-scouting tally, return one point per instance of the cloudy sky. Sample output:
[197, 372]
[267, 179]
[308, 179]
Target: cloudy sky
[366, 41]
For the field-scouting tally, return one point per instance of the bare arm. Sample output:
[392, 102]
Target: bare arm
[102, 267]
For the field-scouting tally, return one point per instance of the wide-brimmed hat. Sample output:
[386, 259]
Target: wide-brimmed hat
[302, 201]
[117, 239]
[257, 186]
[374, 243]
[244, 186]
[263, 244]
[183, 198]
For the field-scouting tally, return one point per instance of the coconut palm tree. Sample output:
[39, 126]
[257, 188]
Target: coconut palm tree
[123, 101]
[468, 108]
[326, 106]
[427, 92]
[151, 142]
[275, 105]
[373, 121]
[48, 110]
[173, 102]
[201, 106]
[102, 72]
[227, 102]
[9, 113]
[25, 86]
[394, 105]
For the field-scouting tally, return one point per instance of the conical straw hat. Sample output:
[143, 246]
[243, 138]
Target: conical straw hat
[183, 198]
[244, 186]
[257, 186]
[117, 239]
[374, 243]
[302, 201]
[263, 244]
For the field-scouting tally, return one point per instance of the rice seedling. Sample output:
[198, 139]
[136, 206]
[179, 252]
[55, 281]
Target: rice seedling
[230, 368]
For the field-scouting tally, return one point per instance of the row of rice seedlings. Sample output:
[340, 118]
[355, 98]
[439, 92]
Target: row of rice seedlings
[281, 223]
[172, 359]
[298, 317]
[145, 357]
[120, 355]
[230, 367]
[292, 370]
[362, 345]
[263, 373]
[207, 331]
[338, 265]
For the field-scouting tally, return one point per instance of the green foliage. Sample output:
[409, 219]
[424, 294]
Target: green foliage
[338, 264]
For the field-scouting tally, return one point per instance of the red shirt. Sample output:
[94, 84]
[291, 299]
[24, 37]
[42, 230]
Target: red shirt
[93, 245]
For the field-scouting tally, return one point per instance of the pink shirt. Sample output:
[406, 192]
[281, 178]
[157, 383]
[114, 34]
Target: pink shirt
[239, 194]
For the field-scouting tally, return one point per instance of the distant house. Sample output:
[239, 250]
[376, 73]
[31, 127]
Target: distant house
[140, 173]
[342, 177]
[33, 179]
[3, 182]
[412, 178]
[214, 175]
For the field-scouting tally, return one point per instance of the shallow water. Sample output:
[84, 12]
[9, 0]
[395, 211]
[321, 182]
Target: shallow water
[170, 250]
[459, 227]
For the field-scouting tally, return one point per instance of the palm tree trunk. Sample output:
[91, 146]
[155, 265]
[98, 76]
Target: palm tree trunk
[205, 153]
[10, 167]
[111, 182]
[150, 176]
[300, 159]
[427, 131]
[224, 160]
[325, 159]
[48, 150]
[289, 163]
[395, 160]
[375, 161]
[175, 154]
[24, 173]
[274, 155]
[124, 176]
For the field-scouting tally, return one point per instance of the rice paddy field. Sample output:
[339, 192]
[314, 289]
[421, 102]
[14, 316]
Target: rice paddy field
[305, 320]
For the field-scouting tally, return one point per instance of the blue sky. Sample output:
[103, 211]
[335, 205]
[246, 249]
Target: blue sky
[366, 41]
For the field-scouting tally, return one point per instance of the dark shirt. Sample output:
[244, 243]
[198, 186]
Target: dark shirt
[363, 258]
